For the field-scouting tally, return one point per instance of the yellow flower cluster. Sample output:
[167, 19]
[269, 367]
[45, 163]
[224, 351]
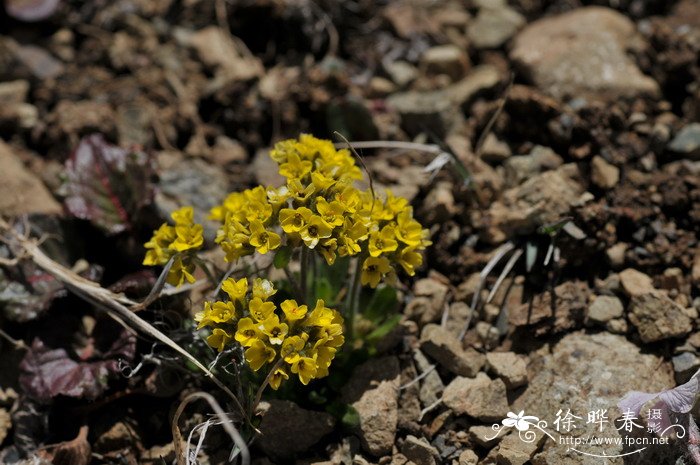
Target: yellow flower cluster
[292, 338]
[319, 208]
[169, 241]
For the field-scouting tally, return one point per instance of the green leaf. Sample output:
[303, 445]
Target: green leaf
[351, 417]
[282, 257]
[382, 303]
[383, 329]
[324, 290]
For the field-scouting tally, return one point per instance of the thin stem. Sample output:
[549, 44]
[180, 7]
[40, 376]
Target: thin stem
[262, 387]
[353, 298]
[18, 343]
[304, 280]
[297, 290]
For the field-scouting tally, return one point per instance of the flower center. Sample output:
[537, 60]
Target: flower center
[313, 231]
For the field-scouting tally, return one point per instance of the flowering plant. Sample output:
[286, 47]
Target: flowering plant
[318, 213]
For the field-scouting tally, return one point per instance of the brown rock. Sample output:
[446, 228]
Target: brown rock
[603, 309]
[446, 349]
[20, 191]
[510, 367]
[419, 451]
[479, 397]
[603, 174]
[657, 317]
[635, 282]
[446, 59]
[512, 450]
[569, 313]
[582, 54]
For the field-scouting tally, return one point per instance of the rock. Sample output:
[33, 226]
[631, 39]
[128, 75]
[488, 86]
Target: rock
[512, 450]
[83, 117]
[684, 366]
[542, 199]
[438, 110]
[378, 412]
[484, 436]
[616, 254]
[157, 455]
[401, 72]
[446, 59]
[40, 63]
[569, 313]
[603, 174]
[460, 313]
[121, 435]
[687, 142]
[489, 337]
[493, 26]
[192, 181]
[695, 272]
[419, 451]
[480, 397]
[657, 317]
[617, 326]
[5, 424]
[373, 392]
[447, 350]
[422, 310]
[510, 367]
[431, 386]
[380, 87]
[603, 309]
[14, 92]
[433, 289]
[584, 372]
[282, 436]
[494, 150]
[522, 167]
[217, 49]
[672, 279]
[468, 457]
[582, 53]
[266, 170]
[21, 192]
[439, 204]
[635, 282]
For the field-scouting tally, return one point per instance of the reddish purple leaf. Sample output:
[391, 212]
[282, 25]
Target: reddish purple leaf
[47, 373]
[107, 184]
[31, 10]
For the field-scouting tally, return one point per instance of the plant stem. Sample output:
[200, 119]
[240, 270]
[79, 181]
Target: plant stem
[295, 285]
[262, 387]
[353, 299]
[304, 280]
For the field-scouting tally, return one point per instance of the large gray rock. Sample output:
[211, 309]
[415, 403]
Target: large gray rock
[282, 436]
[582, 54]
[494, 25]
[584, 372]
[687, 142]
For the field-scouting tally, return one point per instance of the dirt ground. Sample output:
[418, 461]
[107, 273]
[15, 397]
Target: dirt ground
[564, 213]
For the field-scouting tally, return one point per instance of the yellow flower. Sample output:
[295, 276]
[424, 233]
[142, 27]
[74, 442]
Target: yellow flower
[409, 259]
[277, 377]
[294, 220]
[248, 332]
[159, 252]
[395, 204]
[305, 367]
[218, 339]
[278, 196]
[295, 167]
[300, 192]
[263, 289]
[180, 271]
[315, 230]
[219, 312]
[320, 315]
[258, 354]
[236, 290]
[373, 269]
[188, 237]
[260, 310]
[327, 248]
[293, 311]
[349, 198]
[324, 356]
[183, 216]
[408, 230]
[331, 213]
[382, 241]
[262, 239]
[260, 211]
[291, 348]
[320, 181]
[275, 331]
